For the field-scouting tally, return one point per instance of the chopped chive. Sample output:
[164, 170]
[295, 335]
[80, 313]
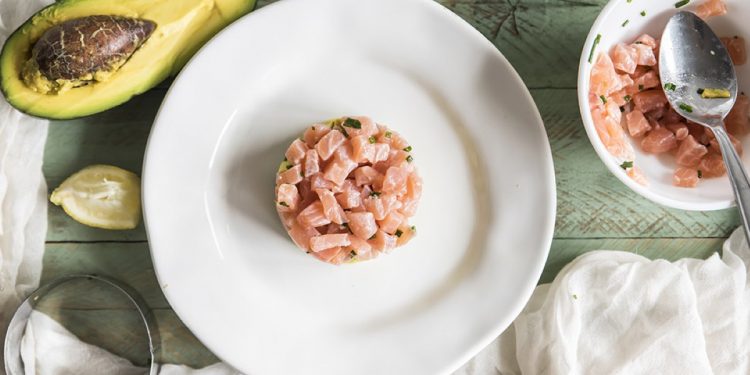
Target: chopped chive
[409, 159]
[700, 91]
[638, 42]
[593, 47]
[372, 140]
[640, 87]
[388, 134]
[283, 204]
[681, 3]
[352, 123]
[604, 100]
[575, 296]
[686, 108]
[375, 194]
[630, 1]
[352, 254]
[622, 109]
[413, 228]
[627, 98]
[643, 13]
[399, 233]
[700, 174]
[625, 23]
[670, 86]
[626, 165]
[408, 149]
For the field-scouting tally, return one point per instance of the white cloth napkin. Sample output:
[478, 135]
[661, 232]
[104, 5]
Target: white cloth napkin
[611, 312]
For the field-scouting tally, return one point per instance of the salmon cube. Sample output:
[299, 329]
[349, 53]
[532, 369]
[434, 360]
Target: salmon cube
[604, 78]
[329, 143]
[313, 216]
[647, 40]
[329, 255]
[349, 198]
[367, 127]
[301, 235]
[649, 100]
[736, 48]
[395, 180]
[314, 134]
[360, 247]
[738, 119]
[292, 175]
[296, 151]
[362, 150]
[712, 165]
[362, 224]
[646, 55]
[328, 241]
[287, 198]
[736, 142]
[380, 153]
[366, 175]
[317, 181]
[331, 208]
[711, 8]
[391, 222]
[685, 177]
[647, 81]
[312, 163]
[679, 129]
[413, 193]
[404, 234]
[637, 123]
[624, 58]
[381, 205]
[658, 141]
[383, 242]
[336, 172]
[671, 116]
[690, 152]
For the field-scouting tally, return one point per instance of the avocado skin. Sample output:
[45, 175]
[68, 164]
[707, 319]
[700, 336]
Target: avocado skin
[10, 83]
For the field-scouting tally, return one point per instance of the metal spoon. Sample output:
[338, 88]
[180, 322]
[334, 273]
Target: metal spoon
[691, 59]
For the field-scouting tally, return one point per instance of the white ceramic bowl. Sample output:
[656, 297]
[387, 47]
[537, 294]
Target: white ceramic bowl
[710, 194]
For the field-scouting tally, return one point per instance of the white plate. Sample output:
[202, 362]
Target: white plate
[710, 194]
[484, 225]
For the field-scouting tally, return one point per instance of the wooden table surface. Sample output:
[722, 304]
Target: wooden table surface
[541, 38]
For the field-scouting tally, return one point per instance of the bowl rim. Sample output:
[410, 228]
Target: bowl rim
[583, 105]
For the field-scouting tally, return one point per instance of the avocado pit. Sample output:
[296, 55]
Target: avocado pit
[83, 50]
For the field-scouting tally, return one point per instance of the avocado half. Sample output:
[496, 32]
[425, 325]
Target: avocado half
[182, 27]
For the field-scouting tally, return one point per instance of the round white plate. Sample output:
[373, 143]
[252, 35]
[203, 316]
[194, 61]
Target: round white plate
[484, 224]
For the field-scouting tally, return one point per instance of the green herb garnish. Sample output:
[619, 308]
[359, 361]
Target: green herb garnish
[686, 108]
[626, 165]
[681, 3]
[627, 98]
[643, 13]
[715, 94]
[283, 204]
[630, 1]
[622, 109]
[700, 91]
[603, 99]
[408, 149]
[700, 174]
[670, 86]
[375, 194]
[640, 87]
[372, 140]
[575, 296]
[352, 254]
[593, 47]
[399, 233]
[409, 159]
[625, 23]
[388, 134]
[352, 123]
[413, 228]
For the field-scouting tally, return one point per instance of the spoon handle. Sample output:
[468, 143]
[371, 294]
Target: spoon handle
[737, 175]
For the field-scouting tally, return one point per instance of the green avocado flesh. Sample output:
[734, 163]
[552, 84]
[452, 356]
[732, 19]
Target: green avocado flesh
[100, 69]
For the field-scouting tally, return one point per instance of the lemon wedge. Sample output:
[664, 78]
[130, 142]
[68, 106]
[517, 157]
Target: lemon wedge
[101, 196]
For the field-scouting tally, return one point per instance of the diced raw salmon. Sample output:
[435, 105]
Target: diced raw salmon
[679, 129]
[711, 8]
[658, 141]
[646, 55]
[329, 143]
[287, 198]
[381, 152]
[337, 170]
[712, 165]
[685, 177]
[404, 234]
[736, 142]
[315, 133]
[736, 48]
[362, 150]
[331, 208]
[391, 222]
[292, 175]
[624, 58]
[690, 152]
[647, 81]
[367, 128]
[647, 40]
[604, 78]
[366, 175]
[362, 224]
[301, 235]
[737, 121]
[671, 116]
[395, 180]
[637, 123]
[360, 247]
[312, 163]
[383, 241]
[413, 193]
[313, 216]
[349, 198]
[648, 100]
[327, 241]
[317, 181]
[381, 205]
[296, 151]
[329, 255]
